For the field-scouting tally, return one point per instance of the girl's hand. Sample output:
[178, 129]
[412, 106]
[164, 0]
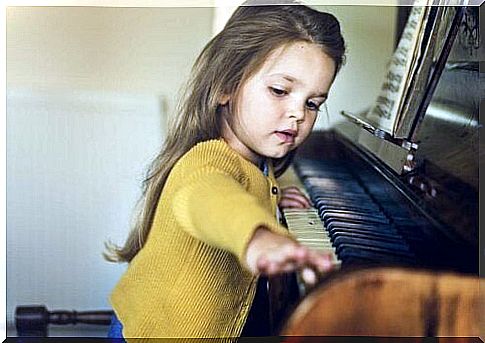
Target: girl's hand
[269, 253]
[293, 197]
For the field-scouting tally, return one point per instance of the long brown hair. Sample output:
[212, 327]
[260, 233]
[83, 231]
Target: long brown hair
[224, 64]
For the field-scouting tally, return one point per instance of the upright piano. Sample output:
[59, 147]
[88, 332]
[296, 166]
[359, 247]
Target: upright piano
[392, 200]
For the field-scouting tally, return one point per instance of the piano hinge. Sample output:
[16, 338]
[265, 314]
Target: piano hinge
[406, 146]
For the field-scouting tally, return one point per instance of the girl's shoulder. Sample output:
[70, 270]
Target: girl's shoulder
[210, 152]
[214, 153]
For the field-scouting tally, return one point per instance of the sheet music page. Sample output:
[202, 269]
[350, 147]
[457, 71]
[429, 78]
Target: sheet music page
[432, 48]
[444, 19]
[384, 113]
[417, 79]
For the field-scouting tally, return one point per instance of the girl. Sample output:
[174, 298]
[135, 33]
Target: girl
[208, 227]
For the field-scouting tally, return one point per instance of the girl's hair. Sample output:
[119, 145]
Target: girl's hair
[225, 63]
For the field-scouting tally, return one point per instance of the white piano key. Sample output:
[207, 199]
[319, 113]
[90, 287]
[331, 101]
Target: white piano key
[308, 229]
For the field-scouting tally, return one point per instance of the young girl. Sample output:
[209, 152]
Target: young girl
[208, 225]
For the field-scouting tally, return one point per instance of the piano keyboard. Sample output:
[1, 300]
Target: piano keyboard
[357, 221]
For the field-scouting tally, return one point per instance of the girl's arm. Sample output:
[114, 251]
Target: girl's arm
[269, 253]
[216, 209]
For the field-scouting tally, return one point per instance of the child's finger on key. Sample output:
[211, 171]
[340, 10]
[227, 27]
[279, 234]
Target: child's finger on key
[309, 276]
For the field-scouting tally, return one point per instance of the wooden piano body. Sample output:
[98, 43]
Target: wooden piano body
[391, 302]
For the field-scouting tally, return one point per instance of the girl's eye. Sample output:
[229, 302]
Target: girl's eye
[313, 106]
[278, 91]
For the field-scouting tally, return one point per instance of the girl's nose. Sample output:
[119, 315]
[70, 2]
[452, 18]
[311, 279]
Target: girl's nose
[297, 112]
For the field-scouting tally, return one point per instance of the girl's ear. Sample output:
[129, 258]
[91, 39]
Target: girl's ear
[224, 99]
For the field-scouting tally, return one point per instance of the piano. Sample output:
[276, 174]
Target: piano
[406, 202]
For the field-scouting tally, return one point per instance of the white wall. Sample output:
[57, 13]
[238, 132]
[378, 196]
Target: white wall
[135, 50]
[88, 92]
[369, 35]
[74, 166]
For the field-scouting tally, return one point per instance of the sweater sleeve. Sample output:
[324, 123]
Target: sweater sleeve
[216, 209]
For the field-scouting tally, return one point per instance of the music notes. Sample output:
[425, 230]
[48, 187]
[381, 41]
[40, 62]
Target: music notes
[385, 110]
[410, 69]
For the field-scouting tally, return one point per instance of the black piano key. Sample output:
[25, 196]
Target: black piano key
[330, 182]
[347, 196]
[351, 260]
[348, 252]
[355, 218]
[344, 194]
[343, 205]
[339, 203]
[349, 188]
[334, 213]
[325, 185]
[360, 225]
[378, 251]
[337, 200]
[393, 248]
[322, 205]
[342, 198]
[371, 234]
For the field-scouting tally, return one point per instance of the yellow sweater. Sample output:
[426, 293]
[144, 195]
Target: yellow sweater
[190, 278]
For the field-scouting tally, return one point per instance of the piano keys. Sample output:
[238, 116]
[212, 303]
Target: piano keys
[360, 222]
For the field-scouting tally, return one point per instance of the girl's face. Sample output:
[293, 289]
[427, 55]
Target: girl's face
[278, 105]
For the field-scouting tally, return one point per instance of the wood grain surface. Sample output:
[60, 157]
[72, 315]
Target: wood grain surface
[391, 302]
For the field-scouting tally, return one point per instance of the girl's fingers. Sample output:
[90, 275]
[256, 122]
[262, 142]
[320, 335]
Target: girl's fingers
[317, 262]
[286, 259]
[292, 189]
[309, 276]
[321, 262]
[293, 195]
[292, 257]
[291, 254]
[262, 265]
[295, 198]
[289, 267]
[290, 201]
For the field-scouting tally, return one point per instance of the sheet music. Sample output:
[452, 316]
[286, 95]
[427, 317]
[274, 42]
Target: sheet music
[432, 48]
[389, 129]
[385, 112]
[411, 68]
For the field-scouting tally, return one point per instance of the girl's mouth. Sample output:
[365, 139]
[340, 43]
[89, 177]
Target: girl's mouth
[287, 136]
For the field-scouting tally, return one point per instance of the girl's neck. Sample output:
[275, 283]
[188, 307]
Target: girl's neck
[231, 139]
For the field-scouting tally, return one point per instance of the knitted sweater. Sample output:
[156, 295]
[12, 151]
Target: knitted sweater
[190, 278]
